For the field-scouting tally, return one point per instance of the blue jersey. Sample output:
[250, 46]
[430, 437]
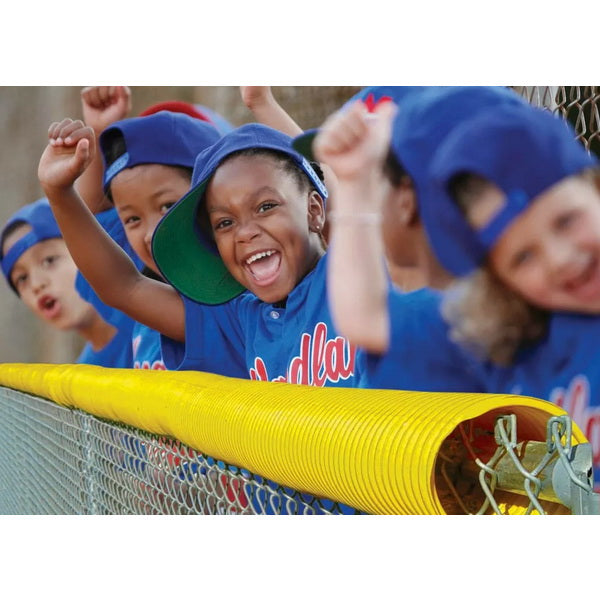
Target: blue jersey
[117, 353]
[420, 356]
[564, 369]
[145, 345]
[110, 222]
[295, 343]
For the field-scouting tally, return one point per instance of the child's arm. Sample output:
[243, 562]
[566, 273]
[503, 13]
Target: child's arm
[102, 106]
[108, 269]
[266, 110]
[354, 144]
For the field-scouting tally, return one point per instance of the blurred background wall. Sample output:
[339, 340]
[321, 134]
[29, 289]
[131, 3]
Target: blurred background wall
[26, 113]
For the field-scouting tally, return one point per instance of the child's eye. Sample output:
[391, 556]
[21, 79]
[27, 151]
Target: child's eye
[166, 207]
[222, 224]
[266, 206]
[50, 260]
[19, 281]
[565, 220]
[130, 220]
[521, 258]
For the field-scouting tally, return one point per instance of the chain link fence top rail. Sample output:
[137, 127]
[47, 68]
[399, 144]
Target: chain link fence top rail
[121, 441]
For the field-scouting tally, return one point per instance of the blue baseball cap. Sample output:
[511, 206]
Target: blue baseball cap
[423, 123]
[372, 96]
[164, 138]
[38, 215]
[187, 258]
[521, 149]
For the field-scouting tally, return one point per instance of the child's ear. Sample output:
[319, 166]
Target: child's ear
[316, 212]
[405, 202]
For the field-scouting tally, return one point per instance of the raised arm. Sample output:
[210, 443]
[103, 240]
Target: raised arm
[266, 110]
[101, 261]
[101, 106]
[353, 144]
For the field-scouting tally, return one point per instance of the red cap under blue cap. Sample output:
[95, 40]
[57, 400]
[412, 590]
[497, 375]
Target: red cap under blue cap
[38, 215]
[198, 111]
[164, 138]
[186, 257]
[521, 149]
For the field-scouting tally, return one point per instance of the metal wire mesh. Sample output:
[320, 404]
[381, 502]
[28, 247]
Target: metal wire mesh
[578, 104]
[57, 461]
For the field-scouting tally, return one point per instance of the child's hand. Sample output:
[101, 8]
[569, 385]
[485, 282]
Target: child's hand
[104, 105]
[354, 142]
[70, 150]
[256, 95]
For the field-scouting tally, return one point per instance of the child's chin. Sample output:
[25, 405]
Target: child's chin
[270, 295]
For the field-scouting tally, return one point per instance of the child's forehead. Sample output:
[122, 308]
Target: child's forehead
[268, 159]
[141, 173]
[250, 172]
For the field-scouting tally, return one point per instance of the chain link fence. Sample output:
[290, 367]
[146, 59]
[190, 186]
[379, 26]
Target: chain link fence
[578, 104]
[58, 461]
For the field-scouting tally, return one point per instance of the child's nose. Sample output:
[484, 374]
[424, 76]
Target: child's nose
[150, 231]
[561, 258]
[39, 280]
[247, 230]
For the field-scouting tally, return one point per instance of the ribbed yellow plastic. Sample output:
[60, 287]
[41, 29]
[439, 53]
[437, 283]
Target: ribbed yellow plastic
[371, 449]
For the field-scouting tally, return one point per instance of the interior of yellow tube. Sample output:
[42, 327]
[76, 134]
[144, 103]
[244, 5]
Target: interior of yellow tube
[455, 477]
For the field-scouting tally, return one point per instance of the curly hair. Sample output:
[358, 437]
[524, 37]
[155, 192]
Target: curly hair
[490, 319]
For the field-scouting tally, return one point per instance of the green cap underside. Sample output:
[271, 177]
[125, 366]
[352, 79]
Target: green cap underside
[303, 145]
[185, 262]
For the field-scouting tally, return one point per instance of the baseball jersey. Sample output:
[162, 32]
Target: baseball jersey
[293, 342]
[563, 368]
[421, 356]
[110, 222]
[117, 353]
[145, 345]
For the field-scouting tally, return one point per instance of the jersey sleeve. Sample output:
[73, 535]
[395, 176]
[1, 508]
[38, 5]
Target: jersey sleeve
[421, 356]
[110, 222]
[214, 341]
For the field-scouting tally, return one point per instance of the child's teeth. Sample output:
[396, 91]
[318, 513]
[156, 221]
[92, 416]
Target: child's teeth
[255, 257]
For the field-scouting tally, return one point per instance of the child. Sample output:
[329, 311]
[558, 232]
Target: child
[559, 367]
[404, 188]
[39, 269]
[528, 208]
[178, 144]
[388, 215]
[263, 208]
[147, 168]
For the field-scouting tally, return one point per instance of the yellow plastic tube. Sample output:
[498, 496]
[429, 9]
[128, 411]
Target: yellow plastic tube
[371, 449]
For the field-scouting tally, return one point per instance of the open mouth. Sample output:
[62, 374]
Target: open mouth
[586, 285]
[263, 266]
[49, 307]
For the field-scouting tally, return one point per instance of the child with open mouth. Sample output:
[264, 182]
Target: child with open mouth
[243, 252]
